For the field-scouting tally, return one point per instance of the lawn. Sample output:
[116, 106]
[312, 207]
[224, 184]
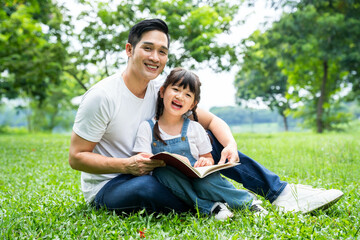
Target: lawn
[40, 195]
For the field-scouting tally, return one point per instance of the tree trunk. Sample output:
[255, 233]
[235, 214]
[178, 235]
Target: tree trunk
[286, 126]
[52, 120]
[29, 112]
[321, 100]
[29, 121]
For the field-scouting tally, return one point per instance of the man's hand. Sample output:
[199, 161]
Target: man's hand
[230, 153]
[140, 164]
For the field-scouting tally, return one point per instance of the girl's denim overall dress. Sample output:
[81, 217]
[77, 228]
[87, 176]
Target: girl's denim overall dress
[198, 192]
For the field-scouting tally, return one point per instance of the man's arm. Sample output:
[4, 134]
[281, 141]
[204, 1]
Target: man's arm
[222, 133]
[83, 159]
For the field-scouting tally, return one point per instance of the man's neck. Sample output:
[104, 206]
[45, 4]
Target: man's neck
[135, 84]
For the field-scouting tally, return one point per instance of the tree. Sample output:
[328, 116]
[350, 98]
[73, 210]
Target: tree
[261, 77]
[317, 50]
[194, 26]
[313, 43]
[32, 53]
[351, 58]
[34, 39]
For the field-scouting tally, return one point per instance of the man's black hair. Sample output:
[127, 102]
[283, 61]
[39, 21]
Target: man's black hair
[140, 28]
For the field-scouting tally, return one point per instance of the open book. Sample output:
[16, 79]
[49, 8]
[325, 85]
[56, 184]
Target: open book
[188, 170]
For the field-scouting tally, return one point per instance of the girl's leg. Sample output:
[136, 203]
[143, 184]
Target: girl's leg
[130, 193]
[251, 174]
[181, 186]
[218, 189]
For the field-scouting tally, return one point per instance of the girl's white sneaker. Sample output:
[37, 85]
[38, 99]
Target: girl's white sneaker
[257, 208]
[221, 212]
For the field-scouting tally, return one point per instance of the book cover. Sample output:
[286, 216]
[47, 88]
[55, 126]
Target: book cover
[188, 170]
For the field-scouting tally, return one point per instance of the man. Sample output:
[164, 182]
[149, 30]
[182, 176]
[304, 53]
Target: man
[105, 129]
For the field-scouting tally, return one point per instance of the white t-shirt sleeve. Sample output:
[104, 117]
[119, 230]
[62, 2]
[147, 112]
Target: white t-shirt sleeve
[143, 138]
[199, 140]
[93, 115]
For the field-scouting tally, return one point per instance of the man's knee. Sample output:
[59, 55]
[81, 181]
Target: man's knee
[148, 187]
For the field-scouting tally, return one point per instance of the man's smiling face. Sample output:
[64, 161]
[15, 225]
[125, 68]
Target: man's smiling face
[150, 55]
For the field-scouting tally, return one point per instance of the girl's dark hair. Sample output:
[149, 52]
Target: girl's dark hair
[147, 25]
[182, 78]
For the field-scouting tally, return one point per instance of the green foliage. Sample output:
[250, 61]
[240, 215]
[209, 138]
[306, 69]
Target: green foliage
[194, 30]
[32, 54]
[193, 24]
[57, 109]
[34, 63]
[306, 49]
[260, 77]
[315, 41]
[105, 34]
[40, 195]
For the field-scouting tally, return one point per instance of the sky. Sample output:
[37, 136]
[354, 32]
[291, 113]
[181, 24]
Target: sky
[218, 89]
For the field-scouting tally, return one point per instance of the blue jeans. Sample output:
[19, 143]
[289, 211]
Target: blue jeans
[203, 192]
[130, 193]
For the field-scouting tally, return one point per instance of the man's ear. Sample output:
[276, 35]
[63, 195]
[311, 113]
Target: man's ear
[161, 92]
[129, 49]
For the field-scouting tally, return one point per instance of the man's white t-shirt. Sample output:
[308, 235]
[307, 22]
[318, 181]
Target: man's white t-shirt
[110, 114]
[199, 141]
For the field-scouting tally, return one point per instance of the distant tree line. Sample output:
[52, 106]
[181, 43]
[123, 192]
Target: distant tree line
[239, 115]
[242, 115]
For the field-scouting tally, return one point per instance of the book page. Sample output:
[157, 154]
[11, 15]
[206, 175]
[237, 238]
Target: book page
[204, 171]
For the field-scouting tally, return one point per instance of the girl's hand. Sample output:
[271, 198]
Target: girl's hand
[204, 160]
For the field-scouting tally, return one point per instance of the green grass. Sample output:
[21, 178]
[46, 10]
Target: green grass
[40, 196]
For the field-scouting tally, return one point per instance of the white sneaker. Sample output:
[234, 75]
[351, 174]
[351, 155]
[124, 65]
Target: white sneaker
[305, 199]
[258, 209]
[221, 212]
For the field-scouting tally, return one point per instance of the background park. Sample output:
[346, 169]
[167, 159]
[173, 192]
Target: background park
[296, 82]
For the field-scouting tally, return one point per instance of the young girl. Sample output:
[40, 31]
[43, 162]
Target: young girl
[172, 131]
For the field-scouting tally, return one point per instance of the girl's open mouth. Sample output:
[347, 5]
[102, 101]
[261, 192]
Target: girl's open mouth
[176, 105]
